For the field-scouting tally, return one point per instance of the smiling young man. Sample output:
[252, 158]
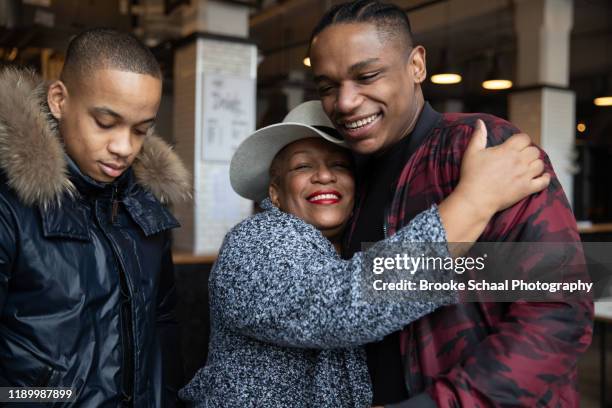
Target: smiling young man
[86, 276]
[368, 73]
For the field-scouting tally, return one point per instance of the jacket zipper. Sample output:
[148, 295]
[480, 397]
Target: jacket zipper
[385, 226]
[115, 204]
[127, 337]
[127, 370]
[410, 334]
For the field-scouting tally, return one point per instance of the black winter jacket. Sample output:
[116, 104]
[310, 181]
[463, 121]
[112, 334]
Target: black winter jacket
[86, 275]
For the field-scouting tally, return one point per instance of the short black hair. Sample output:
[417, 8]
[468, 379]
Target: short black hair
[391, 21]
[104, 48]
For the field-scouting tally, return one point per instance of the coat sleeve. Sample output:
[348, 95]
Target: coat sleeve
[284, 291]
[168, 331]
[535, 348]
[8, 248]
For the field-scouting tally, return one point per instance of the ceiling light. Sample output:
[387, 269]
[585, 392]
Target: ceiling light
[446, 78]
[306, 61]
[604, 92]
[495, 80]
[603, 101]
[447, 75]
[496, 84]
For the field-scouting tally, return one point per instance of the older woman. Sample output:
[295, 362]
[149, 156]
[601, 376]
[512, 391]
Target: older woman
[288, 314]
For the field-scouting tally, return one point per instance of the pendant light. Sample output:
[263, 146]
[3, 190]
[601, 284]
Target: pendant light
[605, 96]
[447, 75]
[495, 80]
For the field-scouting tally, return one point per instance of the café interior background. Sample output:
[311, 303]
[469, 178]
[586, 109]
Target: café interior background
[235, 65]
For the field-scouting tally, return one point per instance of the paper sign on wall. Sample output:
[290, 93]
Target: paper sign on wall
[228, 115]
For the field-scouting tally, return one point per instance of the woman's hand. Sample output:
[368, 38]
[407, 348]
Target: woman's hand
[492, 179]
[498, 177]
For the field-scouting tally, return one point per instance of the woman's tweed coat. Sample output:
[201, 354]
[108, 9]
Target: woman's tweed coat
[288, 315]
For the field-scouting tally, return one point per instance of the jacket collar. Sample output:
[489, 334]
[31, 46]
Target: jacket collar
[33, 158]
[428, 119]
[92, 189]
[71, 220]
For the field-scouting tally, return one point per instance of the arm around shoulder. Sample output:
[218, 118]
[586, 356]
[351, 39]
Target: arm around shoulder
[281, 282]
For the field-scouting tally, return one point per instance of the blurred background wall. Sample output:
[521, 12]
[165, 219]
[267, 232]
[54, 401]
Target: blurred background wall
[235, 65]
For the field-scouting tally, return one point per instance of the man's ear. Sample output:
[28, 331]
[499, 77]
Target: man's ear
[417, 64]
[57, 95]
[273, 193]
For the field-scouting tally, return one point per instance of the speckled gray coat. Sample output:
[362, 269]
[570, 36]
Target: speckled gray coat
[288, 316]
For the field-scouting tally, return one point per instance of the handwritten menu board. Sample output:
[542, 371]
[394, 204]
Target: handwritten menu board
[228, 114]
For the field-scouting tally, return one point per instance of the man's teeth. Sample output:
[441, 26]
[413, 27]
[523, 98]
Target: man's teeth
[324, 197]
[361, 122]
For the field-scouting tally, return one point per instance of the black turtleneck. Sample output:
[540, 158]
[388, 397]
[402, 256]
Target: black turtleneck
[379, 176]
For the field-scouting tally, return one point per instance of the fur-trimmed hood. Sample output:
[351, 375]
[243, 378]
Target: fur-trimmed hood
[32, 155]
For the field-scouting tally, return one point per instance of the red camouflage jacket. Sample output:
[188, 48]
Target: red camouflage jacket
[491, 354]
